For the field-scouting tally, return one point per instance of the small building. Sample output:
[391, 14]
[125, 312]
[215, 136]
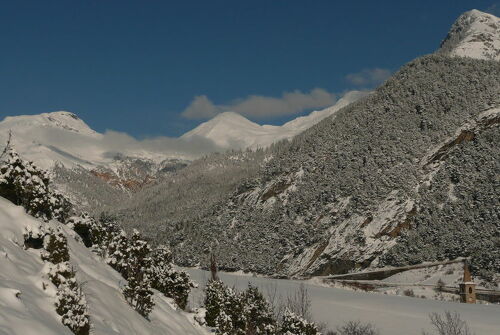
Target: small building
[467, 287]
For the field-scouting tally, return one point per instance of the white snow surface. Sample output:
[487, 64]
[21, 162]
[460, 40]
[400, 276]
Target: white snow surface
[476, 34]
[392, 315]
[232, 130]
[27, 309]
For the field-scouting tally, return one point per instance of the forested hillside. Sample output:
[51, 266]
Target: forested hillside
[192, 192]
[392, 179]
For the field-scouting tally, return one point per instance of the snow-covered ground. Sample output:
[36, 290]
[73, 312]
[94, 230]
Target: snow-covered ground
[393, 315]
[26, 308]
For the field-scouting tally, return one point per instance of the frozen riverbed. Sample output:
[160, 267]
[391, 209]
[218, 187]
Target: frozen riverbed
[393, 315]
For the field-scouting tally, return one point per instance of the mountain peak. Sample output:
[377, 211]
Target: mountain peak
[229, 116]
[474, 34]
[63, 114]
[60, 119]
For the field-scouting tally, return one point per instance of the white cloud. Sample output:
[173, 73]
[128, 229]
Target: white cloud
[368, 77]
[261, 107]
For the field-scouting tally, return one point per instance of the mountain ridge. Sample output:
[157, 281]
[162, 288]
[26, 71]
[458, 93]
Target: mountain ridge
[474, 34]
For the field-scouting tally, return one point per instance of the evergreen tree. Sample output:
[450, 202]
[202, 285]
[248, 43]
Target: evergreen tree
[215, 297]
[117, 251]
[24, 184]
[293, 324]
[234, 308]
[172, 283]
[225, 308]
[71, 305]
[137, 270]
[56, 247]
[259, 317]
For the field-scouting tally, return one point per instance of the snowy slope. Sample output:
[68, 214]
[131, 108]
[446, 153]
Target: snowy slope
[476, 35]
[26, 308]
[231, 130]
[50, 137]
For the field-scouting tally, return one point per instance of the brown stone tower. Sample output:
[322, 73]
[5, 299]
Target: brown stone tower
[467, 287]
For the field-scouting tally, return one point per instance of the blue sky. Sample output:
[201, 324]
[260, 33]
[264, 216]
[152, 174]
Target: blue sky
[138, 66]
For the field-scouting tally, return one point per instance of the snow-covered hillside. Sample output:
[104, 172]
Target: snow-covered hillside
[476, 35]
[27, 296]
[231, 130]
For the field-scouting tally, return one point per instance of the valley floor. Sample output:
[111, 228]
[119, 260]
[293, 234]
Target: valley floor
[393, 315]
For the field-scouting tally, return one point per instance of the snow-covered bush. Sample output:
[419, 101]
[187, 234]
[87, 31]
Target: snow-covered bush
[172, 283]
[215, 297]
[137, 270]
[232, 318]
[34, 237]
[70, 300]
[60, 273]
[71, 305]
[56, 247]
[259, 317]
[139, 294]
[232, 312]
[84, 225]
[117, 251]
[25, 184]
[293, 324]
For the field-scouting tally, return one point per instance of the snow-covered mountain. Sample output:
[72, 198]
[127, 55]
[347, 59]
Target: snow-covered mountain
[231, 130]
[474, 34]
[50, 137]
[63, 137]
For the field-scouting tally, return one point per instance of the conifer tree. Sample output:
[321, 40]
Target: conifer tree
[292, 324]
[215, 297]
[172, 283]
[56, 247]
[137, 270]
[25, 184]
[259, 317]
[71, 305]
[117, 251]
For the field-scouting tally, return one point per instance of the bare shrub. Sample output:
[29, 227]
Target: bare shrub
[357, 328]
[409, 293]
[275, 300]
[449, 324]
[300, 303]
